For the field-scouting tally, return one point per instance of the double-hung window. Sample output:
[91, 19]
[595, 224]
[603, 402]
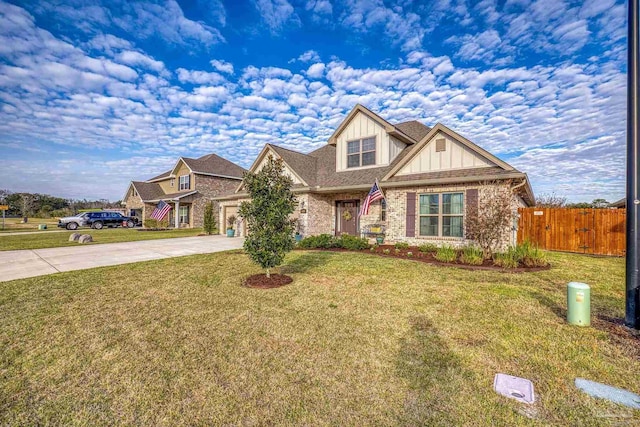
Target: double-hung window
[441, 215]
[361, 152]
[184, 182]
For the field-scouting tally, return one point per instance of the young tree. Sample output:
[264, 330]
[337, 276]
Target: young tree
[489, 225]
[267, 214]
[552, 200]
[209, 220]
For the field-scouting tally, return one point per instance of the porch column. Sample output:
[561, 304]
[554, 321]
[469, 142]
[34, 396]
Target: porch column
[176, 215]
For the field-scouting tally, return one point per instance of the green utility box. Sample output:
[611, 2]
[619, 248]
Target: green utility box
[578, 304]
[42, 226]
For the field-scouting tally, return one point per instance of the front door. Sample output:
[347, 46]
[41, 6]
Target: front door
[347, 217]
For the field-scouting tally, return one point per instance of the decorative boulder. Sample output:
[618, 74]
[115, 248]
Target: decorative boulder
[74, 237]
[85, 238]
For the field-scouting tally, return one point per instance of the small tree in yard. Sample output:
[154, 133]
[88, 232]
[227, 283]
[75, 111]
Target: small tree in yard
[490, 225]
[209, 220]
[267, 214]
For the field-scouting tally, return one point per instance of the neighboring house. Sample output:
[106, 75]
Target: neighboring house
[188, 187]
[622, 203]
[431, 178]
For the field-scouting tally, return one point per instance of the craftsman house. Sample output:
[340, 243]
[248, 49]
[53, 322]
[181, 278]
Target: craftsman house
[187, 187]
[431, 177]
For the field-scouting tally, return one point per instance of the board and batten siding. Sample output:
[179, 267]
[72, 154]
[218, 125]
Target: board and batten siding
[395, 147]
[363, 126]
[454, 156]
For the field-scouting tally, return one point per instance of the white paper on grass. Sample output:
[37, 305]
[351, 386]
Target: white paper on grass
[520, 389]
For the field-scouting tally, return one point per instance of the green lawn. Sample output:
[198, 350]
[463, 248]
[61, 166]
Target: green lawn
[106, 235]
[12, 225]
[354, 340]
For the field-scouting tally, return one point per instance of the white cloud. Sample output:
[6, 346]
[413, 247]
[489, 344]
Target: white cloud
[277, 13]
[199, 77]
[222, 66]
[316, 71]
[309, 56]
[134, 58]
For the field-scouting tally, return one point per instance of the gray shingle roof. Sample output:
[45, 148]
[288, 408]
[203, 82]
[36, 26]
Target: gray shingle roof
[413, 129]
[303, 165]
[492, 171]
[162, 175]
[148, 190]
[215, 165]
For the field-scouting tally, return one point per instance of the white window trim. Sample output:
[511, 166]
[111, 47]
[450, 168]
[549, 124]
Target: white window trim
[187, 185]
[360, 153]
[441, 215]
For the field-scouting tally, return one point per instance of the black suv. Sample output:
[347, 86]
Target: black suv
[98, 220]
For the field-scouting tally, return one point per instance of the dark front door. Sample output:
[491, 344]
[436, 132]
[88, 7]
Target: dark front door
[347, 217]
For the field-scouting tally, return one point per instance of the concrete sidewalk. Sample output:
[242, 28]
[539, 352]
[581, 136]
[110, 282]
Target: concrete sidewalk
[39, 262]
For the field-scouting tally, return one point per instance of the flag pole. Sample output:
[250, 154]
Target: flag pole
[632, 305]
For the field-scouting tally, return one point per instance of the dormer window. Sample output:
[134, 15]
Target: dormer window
[361, 152]
[184, 182]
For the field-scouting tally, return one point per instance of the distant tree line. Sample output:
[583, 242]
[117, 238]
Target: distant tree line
[554, 201]
[46, 206]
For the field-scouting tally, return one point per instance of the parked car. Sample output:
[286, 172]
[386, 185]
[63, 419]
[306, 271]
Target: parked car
[97, 220]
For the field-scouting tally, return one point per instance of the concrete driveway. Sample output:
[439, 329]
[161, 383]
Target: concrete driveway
[39, 262]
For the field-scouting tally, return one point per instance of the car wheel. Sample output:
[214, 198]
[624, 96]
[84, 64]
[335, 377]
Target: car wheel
[98, 225]
[130, 224]
[72, 226]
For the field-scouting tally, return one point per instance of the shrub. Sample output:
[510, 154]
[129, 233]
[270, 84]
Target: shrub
[321, 241]
[507, 259]
[231, 221]
[151, 223]
[402, 245]
[490, 225]
[446, 253]
[209, 221]
[427, 247]
[352, 243]
[372, 249]
[531, 256]
[409, 254]
[472, 255]
[386, 251]
[397, 251]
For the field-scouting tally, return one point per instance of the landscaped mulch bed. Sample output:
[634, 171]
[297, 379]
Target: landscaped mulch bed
[429, 257]
[260, 281]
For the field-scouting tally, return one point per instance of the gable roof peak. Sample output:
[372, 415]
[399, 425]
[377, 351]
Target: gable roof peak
[388, 127]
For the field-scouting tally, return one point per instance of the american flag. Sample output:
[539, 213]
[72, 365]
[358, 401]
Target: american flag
[161, 211]
[374, 194]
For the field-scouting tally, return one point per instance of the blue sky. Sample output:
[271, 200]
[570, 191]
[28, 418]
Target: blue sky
[95, 94]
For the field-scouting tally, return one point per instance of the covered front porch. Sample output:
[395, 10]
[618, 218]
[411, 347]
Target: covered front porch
[181, 213]
[336, 213]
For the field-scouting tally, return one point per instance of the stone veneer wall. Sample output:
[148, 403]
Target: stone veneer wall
[396, 213]
[133, 202]
[209, 187]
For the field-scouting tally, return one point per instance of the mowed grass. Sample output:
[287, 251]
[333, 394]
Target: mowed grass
[12, 225]
[106, 235]
[354, 340]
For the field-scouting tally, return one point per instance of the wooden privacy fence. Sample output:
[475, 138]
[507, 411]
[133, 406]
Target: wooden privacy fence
[589, 231]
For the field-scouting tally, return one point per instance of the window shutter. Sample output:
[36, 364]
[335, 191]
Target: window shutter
[441, 145]
[410, 221]
[472, 207]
